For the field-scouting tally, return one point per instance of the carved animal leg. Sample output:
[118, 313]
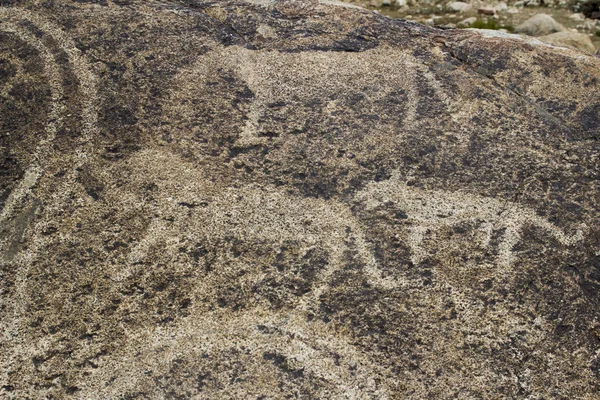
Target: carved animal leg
[510, 238]
[415, 238]
[559, 234]
[311, 299]
[488, 229]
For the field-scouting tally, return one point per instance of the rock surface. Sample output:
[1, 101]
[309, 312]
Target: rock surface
[575, 40]
[539, 25]
[467, 22]
[292, 199]
[458, 6]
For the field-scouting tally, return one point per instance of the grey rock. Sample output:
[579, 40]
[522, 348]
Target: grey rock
[467, 22]
[458, 6]
[501, 7]
[577, 17]
[539, 25]
[575, 40]
[246, 199]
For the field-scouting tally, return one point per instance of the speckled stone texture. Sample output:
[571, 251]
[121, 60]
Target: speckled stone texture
[292, 199]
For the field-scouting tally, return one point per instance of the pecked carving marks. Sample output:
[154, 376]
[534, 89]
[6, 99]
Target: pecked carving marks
[52, 72]
[312, 88]
[251, 214]
[16, 21]
[227, 354]
[323, 115]
[431, 210]
[264, 216]
[49, 181]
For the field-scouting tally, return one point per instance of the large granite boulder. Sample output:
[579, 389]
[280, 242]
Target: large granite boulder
[292, 199]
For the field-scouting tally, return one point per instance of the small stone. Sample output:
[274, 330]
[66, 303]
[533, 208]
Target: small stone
[458, 6]
[577, 17]
[539, 25]
[501, 7]
[401, 3]
[467, 22]
[512, 10]
[486, 10]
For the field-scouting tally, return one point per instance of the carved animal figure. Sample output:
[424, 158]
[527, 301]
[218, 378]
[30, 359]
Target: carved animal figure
[432, 209]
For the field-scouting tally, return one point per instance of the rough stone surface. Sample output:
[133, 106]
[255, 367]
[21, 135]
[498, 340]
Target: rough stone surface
[467, 21]
[486, 10]
[539, 25]
[575, 40]
[227, 200]
[458, 6]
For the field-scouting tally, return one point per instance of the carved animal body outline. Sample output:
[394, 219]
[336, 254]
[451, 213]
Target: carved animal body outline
[245, 213]
[270, 85]
[55, 116]
[432, 209]
[310, 346]
[279, 77]
[265, 213]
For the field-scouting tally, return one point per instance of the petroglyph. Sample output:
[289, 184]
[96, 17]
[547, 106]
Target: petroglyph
[431, 210]
[272, 347]
[52, 71]
[289, 80]
[89, 114]
[251, 213]
[22, 203]
[272, 80]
